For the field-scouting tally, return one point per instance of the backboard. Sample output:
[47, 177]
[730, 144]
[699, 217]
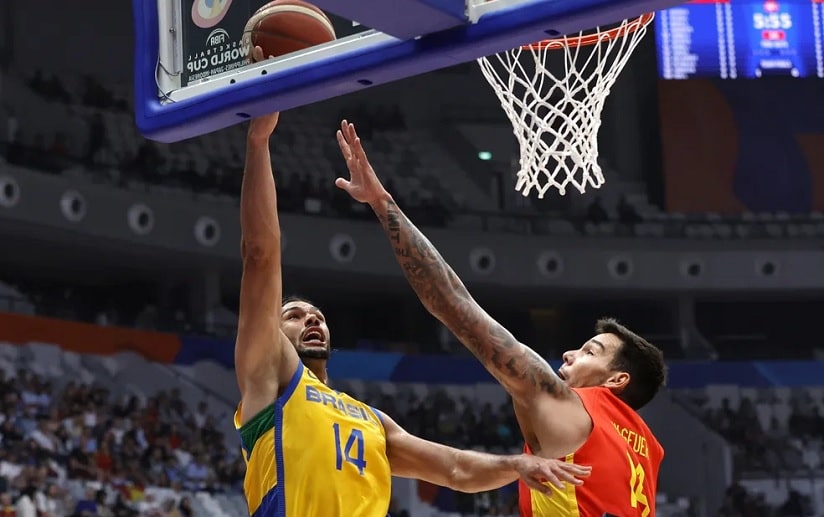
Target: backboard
[192, 78]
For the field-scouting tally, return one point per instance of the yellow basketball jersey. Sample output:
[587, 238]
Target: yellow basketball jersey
[315, 452]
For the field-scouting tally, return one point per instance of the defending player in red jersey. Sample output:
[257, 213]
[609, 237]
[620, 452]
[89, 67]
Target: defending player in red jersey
[585, 412]
[622, 450]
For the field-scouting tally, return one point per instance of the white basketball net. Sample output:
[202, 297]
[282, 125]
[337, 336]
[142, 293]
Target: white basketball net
[556, 118]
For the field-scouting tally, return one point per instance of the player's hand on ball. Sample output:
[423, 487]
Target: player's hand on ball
[363, 184]
[255, 54]
[537, 472]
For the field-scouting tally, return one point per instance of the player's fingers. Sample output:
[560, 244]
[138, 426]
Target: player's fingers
[344, 147]
[342, 184]
[536, 485]
[257, 54]
[359, 151]
[577, 470]
[353, 130]
[351, 135]
[565, 476]
[547, 476]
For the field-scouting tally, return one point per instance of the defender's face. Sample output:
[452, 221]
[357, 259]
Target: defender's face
[305, 326]
[591, 365]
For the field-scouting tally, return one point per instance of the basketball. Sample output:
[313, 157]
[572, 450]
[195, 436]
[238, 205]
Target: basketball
[284, 26]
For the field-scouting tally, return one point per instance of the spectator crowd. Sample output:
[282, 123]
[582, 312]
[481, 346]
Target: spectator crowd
[771, 439]
[73, 450]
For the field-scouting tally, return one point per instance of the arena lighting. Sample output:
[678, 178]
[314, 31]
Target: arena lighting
[342, 247]
[550, 264]
[207, 231]
[620, 267]
[73, 206]
[482, 261]
[766, 267]
[485, 156]
[141, 219]
[9, 191]
[692, 267]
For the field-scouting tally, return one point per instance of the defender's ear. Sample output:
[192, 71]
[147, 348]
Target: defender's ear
[618, 382]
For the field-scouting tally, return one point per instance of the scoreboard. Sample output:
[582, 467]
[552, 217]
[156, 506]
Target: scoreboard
[747, 39]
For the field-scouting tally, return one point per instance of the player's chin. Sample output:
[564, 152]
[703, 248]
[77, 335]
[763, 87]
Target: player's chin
[314, 352]
[569, 381]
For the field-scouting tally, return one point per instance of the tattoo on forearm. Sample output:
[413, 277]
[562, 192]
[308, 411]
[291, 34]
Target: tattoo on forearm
[444, 295]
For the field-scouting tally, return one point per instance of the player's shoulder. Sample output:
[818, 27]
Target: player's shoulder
[601, 400]
[595, 393]
[603, 403]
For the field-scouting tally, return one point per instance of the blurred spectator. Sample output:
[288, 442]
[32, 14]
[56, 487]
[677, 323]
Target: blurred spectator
[25, 503]
[80, 433]
[185, 507]
[596, 213]
[775, 448]
[7, 509]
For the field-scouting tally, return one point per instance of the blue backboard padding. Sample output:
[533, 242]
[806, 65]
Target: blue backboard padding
[338, 75]
[404, 19]
[432, 369]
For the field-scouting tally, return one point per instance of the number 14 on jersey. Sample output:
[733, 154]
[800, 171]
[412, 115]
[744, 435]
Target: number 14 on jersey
[346, 453]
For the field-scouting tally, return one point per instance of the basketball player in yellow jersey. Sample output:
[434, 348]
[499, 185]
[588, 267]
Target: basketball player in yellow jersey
[311, 451]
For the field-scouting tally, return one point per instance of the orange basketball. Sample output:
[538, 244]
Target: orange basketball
[285, 26]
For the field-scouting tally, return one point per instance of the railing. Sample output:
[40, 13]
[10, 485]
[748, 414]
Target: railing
[75, 311]
[547, 223]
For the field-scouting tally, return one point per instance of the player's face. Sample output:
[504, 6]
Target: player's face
[591, 365]
[305, 326]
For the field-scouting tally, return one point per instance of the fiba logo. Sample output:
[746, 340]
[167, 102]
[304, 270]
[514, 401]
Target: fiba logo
[217, 37]
[208, 13]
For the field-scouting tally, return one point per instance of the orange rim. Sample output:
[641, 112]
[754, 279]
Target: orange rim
[586, 40]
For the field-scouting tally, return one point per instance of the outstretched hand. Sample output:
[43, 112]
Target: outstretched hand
[537, 472]
[261, 127]
[363, 184]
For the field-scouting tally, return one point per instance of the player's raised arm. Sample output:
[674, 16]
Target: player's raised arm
[263, 358]
[525, 375]
[472, 471]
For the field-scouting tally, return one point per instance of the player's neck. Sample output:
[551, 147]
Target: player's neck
[318, 367]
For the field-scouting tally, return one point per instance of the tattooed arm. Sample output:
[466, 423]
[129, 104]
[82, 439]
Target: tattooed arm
[521, 371]
[534, 387]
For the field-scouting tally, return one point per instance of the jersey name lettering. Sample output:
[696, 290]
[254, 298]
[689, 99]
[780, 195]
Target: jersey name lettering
[327, 399]
[637, 442]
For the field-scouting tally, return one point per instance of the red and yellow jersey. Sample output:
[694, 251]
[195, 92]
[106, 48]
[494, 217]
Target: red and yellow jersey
[625, 458]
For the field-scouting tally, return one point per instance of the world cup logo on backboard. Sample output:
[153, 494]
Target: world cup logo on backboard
[208, 13]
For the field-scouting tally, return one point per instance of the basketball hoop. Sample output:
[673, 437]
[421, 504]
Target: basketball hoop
[556, 114]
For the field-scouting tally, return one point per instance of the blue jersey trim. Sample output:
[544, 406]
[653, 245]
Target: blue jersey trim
[243, 449]
[280, 494]
[269, 505]
[293, 384]
[379, 415]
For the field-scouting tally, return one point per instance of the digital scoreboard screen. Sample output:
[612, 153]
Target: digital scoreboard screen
[741, 39]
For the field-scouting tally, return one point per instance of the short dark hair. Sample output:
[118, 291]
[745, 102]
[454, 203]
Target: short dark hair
[296, 298]
[643, 361]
